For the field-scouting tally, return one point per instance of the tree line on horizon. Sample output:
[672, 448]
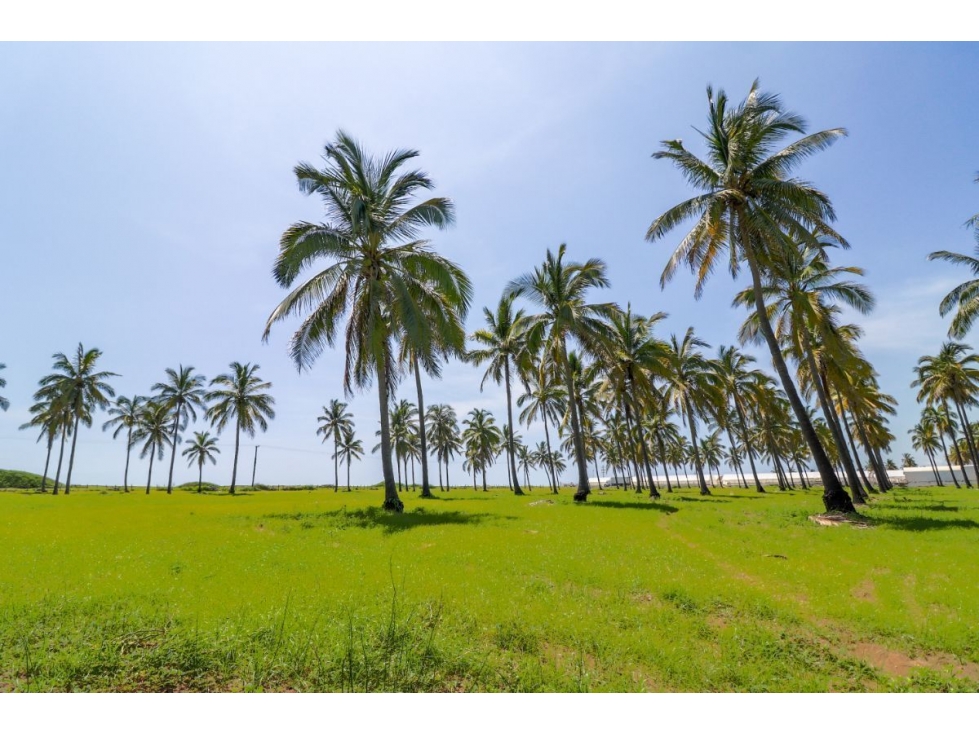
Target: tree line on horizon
[614, 391]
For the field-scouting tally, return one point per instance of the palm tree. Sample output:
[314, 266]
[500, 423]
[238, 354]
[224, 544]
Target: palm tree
[560, 289]
[689, 388]
[543, 398]
[733, 375]
[50, 416]
[201, 450]
[335, 420]
[443, 428]
[239, 396]
[924, 438]
[181, 393]
[81, 390]
[951, 375]
[4, 403]
[349, 448]
[125, 417]
[391, 283]
[504, 343]
[964, 298]
[938, 422]
[908, 462]
[482, 440]
[751, 207]
[525, 460]
[154, 418]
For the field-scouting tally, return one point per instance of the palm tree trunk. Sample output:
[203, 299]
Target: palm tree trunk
[835, 497]
[61, 455]
[348, 475]
[441, 486]
[821, 384]
[951, 433]
[948, 460]
[883, 469]
[129, 449]
[853, 447]
[549, 468]
[398, 462]
[509, 413]
[967, 429]
[693, 442]
[200, 476]
[447, 484]
[934, 469]
[173, 453]
[747, 443]
[234, 465]
[47, 460]
[484, 479]
[475, 488]
[735, 463]
[149, 474]
[802, 474]
[336, 460]
[662, 460]
[426, 489]
[581, 495]
[71, 458]
[391, 500]
[413, 483]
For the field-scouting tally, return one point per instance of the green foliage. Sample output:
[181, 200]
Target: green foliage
[13, 479]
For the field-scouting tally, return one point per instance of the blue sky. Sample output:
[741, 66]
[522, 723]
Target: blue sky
[146, 187]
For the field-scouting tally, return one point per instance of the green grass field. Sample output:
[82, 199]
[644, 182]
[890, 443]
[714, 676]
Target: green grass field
[314, 590]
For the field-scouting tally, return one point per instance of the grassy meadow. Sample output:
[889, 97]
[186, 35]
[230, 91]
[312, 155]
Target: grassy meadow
[473, 591]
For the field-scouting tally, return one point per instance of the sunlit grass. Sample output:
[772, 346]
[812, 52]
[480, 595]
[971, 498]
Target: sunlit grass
[315, 590]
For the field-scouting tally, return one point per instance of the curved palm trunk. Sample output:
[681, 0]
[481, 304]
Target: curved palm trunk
[426, 489]
[821, 384]
[509, 413]
[948, 460]
[747, 443]
[61, 456]
[736, 465]
[853, 447]
[934, 469]
[693, 442]
[336, 461]
[149, 474]
[581, 462]
[391, 500]
[835, 497]
[951, 433]
[802, 474]
[883, 470]
[47, 460]
[234, 465]
[129, 449]
[173, 453]
[549, 468]
[662, 460]
[967, 430]
[71, 458]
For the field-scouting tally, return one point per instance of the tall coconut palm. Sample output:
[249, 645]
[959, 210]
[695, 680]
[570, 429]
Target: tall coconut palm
[81, 390]
[482, 439]
[181, 392]
[153, 430]
[203, 449]
[753, 208]
[924, 438]
[503, 345]
[733, 374]
[389, 282]
[632, 359]
[951, 375]
[561, 290]
[544, 398]
[125, 417]
[689, 388]
[349, 448]
[50, 416]
[443, 428]
[937, 422]
[335, 420]
[240, 396]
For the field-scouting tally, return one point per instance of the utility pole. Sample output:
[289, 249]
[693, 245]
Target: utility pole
[254, 465]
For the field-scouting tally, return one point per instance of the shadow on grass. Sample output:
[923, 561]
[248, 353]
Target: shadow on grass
[923, 508]
[701, 498]
[633, 506]
[388, 522]
[917, 524]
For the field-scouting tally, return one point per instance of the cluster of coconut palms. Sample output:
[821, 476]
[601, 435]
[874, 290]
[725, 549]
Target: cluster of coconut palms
[70, 396]
[614, 391]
